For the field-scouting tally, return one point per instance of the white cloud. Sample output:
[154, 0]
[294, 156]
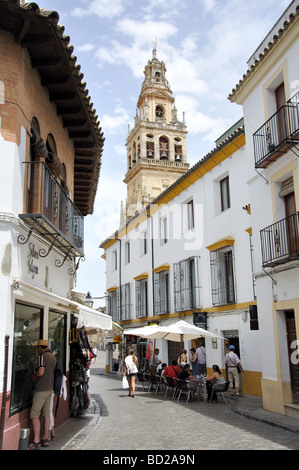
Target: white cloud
[208, 4]
[101, 8]
[199, 122]
[145, 32]
[113, 122]
[136, 54]
[85, 47]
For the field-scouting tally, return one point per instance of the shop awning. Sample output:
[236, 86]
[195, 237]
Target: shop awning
[91, 318]
[88, 317]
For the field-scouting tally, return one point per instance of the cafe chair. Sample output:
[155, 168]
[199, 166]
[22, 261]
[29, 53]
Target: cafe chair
[182, 388]
[170, 385]
[222, 389]
[154, 383]
[161, 383]
[143, 379]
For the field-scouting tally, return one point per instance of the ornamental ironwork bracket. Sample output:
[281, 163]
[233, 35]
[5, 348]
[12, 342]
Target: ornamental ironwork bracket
[22, 240]
[55, 240]
[269, 275]
[43, 253]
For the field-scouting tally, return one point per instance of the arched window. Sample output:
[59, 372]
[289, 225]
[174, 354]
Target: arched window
[164, 148]
[159, 113]
[178, 153]
[52, 159]
[38, 148]
[134, 153]
[150, 150]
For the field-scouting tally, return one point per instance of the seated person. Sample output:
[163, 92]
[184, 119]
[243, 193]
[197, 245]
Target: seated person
[186, 374]
[162, 368]
[172, 371]
[215, 378]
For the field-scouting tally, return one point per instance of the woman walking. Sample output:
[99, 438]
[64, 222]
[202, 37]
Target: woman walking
[131, 369]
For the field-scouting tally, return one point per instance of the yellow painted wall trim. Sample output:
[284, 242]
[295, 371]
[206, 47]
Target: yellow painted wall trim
[189, 313]
[141, 276]
[163, 267]
[228, 241]
[112, 289]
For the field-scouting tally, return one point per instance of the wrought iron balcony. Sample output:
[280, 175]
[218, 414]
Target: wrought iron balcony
[280, 241]
[277, 135]
[50, 211]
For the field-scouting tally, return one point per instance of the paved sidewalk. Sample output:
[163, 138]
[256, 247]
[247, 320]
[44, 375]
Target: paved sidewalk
[69, 435]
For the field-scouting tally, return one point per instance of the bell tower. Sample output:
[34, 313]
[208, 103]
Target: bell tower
[157, 145]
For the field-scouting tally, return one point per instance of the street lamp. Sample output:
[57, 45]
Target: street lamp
[89, 299]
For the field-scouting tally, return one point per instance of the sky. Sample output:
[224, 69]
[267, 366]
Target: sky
[205, 45]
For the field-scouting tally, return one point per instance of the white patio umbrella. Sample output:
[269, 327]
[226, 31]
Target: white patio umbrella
[180, 331]
[143, 331]
[183, 331]
[148, 331]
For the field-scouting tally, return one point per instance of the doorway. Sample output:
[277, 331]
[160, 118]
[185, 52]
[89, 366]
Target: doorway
[232, 339]
[293, 353]
[291, 224]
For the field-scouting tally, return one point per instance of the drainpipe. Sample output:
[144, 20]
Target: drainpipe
[153, 258]
[120, 306]
[3, 409]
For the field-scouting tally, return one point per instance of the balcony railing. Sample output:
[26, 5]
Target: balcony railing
[50, 211]
[280, 241]
[277, 135]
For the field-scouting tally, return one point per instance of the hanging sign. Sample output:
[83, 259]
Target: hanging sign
[200, 319]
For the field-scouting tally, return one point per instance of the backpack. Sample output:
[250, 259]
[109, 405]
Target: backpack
[58, 375]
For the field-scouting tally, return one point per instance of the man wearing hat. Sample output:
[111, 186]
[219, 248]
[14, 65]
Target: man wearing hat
[233, 362]
[43, 377]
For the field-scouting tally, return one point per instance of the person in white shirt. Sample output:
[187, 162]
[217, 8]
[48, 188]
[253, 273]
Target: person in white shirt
[233, 363]
[131, 370]
[201, 358]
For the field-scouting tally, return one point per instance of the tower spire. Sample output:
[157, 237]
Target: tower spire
[155, 49]
[156, 146]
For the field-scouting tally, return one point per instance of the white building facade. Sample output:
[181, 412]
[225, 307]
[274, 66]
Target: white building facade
[189, 255]
[269, 96]
[44, 112]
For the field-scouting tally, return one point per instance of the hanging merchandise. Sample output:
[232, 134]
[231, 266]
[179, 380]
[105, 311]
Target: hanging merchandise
[79, 368]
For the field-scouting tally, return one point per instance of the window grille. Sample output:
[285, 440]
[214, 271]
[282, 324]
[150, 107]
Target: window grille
[186, 284]
[124, 302]
[112, 306]
[222, 276]
[141, 298]
[161, 292]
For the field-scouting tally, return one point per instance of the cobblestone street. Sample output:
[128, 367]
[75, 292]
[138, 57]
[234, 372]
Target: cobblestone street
[152, 422]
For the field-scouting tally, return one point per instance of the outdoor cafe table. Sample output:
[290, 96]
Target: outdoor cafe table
[201, 386]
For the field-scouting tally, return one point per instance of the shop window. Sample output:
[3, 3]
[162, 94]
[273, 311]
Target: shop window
[27, 331]
[57, 336]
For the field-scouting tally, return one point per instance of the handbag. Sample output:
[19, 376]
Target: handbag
[238, 369]
[125, 383]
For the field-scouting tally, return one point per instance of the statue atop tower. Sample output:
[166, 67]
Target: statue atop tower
[157, 145]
